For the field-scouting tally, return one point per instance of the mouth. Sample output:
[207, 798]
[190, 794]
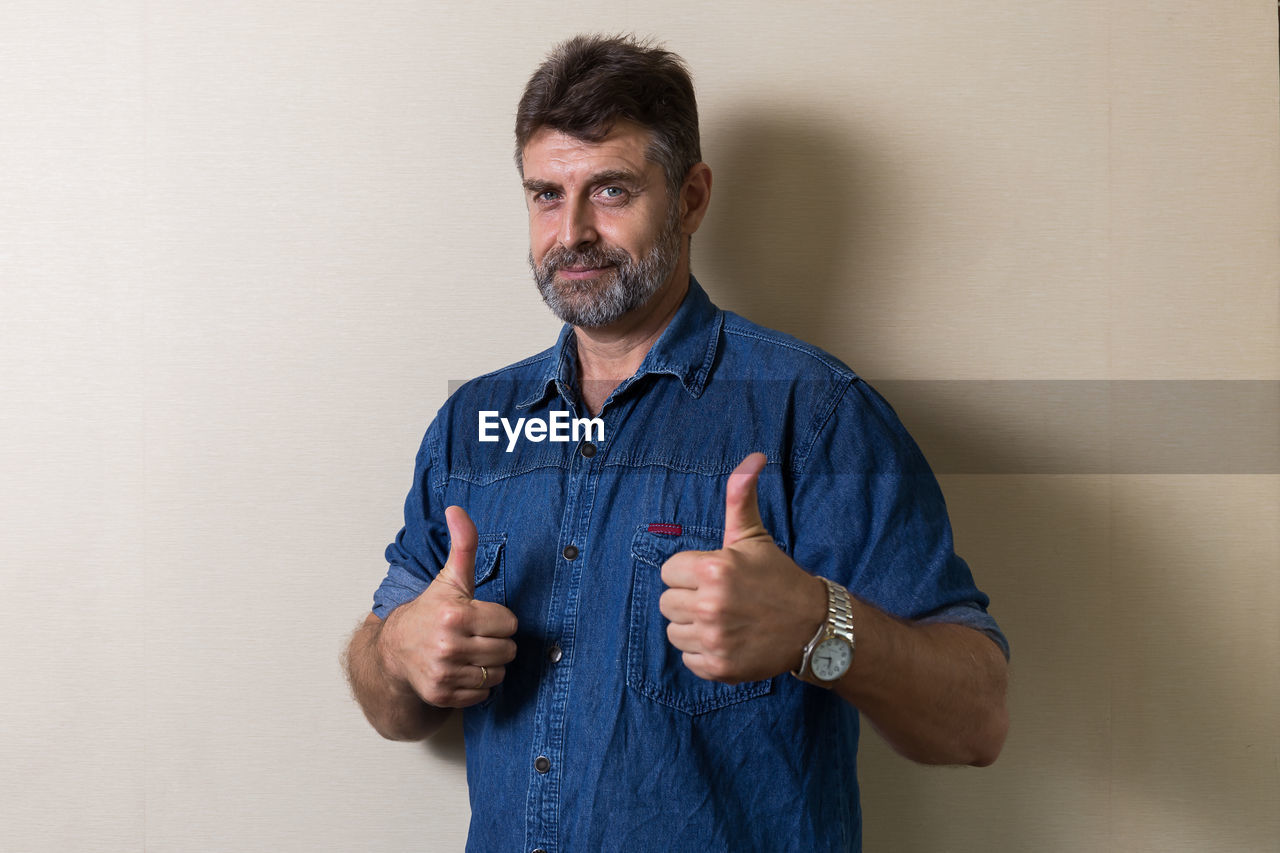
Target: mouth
[583, 273]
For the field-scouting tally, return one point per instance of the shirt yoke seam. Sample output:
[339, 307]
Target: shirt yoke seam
[821, 417]
[845, 376]
[817, 355]
[533, 359]
[442, 479]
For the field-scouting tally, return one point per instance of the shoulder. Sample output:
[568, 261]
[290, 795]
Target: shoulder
[457, 440]
[811, 380]
[501, 388]
[835, 406]
[768, 351]
[498, 390]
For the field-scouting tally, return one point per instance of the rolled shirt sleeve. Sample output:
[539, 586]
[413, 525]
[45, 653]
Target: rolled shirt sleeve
[870, 516]
[422, 545]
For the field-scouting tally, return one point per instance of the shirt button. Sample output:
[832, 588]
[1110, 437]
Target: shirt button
[539, 850]
[554, 654]
[542, 764]
[570, 552]
[587, 449]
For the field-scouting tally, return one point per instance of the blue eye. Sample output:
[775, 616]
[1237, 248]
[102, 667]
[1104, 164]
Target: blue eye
[613, 192]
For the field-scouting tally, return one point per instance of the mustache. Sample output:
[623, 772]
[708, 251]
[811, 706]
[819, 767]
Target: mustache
[592, 256]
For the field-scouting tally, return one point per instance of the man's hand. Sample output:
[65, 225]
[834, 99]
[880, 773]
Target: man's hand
[747, 611]
[450, 648]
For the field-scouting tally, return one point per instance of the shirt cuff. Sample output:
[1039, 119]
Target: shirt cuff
[970, 615]
[400, 586]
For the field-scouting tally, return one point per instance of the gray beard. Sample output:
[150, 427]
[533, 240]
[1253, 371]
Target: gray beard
[629, 285]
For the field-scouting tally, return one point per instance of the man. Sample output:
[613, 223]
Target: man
[664, 626]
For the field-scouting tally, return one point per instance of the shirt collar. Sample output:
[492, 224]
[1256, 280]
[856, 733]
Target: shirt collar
[686, 349]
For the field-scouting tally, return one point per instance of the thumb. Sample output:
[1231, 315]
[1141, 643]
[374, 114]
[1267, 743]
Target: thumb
[460, 569]
[741, 505]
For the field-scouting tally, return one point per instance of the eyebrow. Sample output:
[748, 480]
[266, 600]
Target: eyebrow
[608, 176]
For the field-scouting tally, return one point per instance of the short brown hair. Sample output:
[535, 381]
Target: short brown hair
[589, 83]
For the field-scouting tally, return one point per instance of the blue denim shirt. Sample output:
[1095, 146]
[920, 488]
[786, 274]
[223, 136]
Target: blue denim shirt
[600, 738]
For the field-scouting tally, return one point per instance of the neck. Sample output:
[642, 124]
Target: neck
[609, 354]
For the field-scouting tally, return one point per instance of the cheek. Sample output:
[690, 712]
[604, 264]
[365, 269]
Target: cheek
[542, 236]
[622, 233]
[640, 232]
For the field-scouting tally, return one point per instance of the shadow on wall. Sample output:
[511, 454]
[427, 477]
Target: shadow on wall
[1115, 699]
[447, 744]
[801, 227]
[792, 227]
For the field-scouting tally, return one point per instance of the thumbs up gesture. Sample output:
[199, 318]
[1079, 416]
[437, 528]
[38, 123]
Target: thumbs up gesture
[746, 611]
[449, 647]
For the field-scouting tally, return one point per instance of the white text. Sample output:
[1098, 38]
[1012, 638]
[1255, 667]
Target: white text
[560, 427]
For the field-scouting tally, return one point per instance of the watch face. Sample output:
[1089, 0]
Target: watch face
[831, 659]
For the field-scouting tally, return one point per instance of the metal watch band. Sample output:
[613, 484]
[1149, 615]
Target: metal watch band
[839, 611]
[839, 623]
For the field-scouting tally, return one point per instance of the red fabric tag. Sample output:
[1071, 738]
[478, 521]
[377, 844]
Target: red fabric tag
[669, 529]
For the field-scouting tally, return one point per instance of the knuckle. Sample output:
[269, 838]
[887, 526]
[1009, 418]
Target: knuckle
[718, 669]
[437, 673]
[493, 619]
[452, 618]
[714, 570]
[447, 648]
[708, 608]
[435, 695]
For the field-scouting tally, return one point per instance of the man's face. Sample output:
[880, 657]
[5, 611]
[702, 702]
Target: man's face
[604, 236]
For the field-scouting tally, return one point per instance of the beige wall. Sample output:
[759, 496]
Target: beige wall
[244, 246]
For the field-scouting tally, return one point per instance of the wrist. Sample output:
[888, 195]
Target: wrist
[829, 653]
[812, 616]
[384, 658]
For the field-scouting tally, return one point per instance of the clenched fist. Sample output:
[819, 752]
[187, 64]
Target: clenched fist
[451, 648]
[746, 611]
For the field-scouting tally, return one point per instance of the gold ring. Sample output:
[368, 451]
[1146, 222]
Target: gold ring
[484, 677]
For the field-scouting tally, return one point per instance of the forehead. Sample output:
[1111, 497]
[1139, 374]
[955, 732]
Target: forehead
[554, 155]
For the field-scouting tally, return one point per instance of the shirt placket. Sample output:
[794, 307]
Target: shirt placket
[573, 557]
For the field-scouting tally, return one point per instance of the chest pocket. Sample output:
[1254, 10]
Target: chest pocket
[654, 666]
[490, 577]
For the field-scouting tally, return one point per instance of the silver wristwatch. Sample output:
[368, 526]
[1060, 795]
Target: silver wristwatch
[830, 653]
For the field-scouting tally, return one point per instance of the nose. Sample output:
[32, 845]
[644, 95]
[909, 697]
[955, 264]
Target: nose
[577, 226]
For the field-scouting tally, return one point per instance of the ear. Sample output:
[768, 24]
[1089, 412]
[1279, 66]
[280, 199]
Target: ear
[695, 196]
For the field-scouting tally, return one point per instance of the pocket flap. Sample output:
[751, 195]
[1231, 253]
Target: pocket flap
[489, 555]
[655, 548]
